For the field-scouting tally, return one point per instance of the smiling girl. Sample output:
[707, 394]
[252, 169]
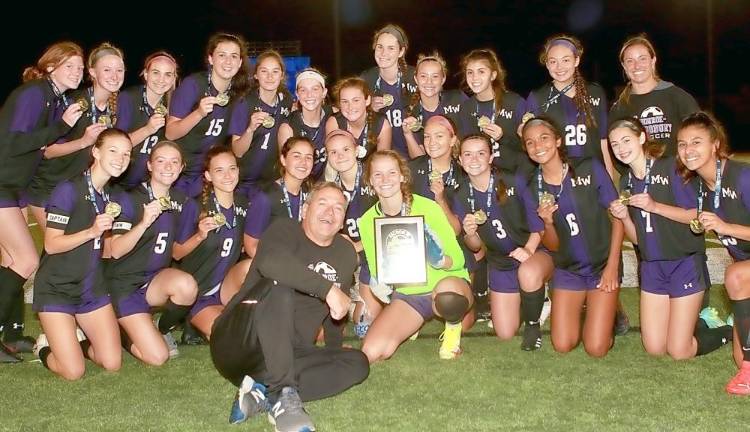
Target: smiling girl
[142, 112]
[200, 110]
[33, 116]
[70, 288]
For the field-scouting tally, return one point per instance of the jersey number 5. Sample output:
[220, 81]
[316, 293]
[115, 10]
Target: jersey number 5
[161, 243]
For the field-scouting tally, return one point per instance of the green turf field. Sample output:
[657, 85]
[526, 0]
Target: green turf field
[494, 386]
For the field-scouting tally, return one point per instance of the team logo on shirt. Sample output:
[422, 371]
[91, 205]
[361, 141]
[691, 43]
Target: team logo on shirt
[659, 179]
[451, 109]
[507, 114]
[510, 191]
[727, 192]
[656, 123]
[324, 269]
[580, 181]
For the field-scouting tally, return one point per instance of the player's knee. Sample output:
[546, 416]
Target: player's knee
[187, 289]
[73, 372]
[681, 351]
[564, 345]
[451, 306]
[377, 351]
[654, 348]
[598, 348]
[112, 363]
[504, 333]
[736, 284]
[156, 357]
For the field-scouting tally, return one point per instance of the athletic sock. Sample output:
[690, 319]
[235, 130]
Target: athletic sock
[43, 354]
[711, 339]
[531, 306]
[10, 283]
[85, 345]
[171, 315]
[742, 321]
[14, 325]
[480, 287]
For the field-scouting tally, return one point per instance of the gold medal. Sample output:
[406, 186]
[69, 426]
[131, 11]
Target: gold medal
[547, 199]
[83, 103]
[696, 226]
[435, 175]
[480, 216]
[268, 122]
[416, 126]
[388, 99]
[165, 203]
[113, 209]
[220, 219]
[105, 120]
[483, 122]
[161, 110]
[222, 99]
[526, 117]
[625, 197]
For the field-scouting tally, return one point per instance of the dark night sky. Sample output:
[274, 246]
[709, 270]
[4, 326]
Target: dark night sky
[515, 29]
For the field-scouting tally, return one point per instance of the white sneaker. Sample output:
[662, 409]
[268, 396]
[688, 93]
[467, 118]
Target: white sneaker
[41, 342]
[171, 345]
[80, 335]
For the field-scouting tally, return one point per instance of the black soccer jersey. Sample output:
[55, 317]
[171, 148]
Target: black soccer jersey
[582, 221]
[153, 251]
[134, 112]
[30, 119]
[508, 151]
[379, 121]
[508, 224]
[401, 91]
[449, 106]
[272, 202]
[734, 205]
[260, 162]
[359, 199]
[315, 134]
[421, 168]
[55, 170]
[660, 238]
[211, 260]
[581, 140]
[211, 130]
[64, 277]
[660, 111]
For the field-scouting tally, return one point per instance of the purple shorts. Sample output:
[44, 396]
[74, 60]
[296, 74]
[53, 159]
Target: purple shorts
[563, 279]
[11, 198]
[85, 306]
[133, 304]
[504, 281]
[211, 298]
[675, 278]
[422, 303]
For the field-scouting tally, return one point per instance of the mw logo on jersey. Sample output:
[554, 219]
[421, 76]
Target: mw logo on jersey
[450, 109]
[510, 191]
[505, 114]
[727, 192]
[659, 179]
[581, 181]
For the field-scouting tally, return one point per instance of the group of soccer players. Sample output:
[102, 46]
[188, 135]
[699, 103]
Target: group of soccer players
[159, 195]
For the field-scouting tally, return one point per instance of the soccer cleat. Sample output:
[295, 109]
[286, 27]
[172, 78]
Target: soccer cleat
[532, 338]
[191, 335]
[8, 356]
[249, 401]
[546, 310]
[171, 345]
[24, 344]
[288, 414]
[414, 336]
[711, 317]
[450, 347]
[740, 383]
[41, 342]
[80, 335]
[622, 323]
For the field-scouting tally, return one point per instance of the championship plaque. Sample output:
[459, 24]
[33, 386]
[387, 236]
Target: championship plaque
[400, 255]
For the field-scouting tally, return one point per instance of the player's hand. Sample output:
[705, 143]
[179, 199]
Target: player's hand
[610, 280]
[619, 210]
[206, 105]
[711, 221]
[72, 114]
[156, 122]
[546, 212]
[469, 224]
[103, 222]
[520, 254]
[643, 201]
[493, 131]
[151, 211]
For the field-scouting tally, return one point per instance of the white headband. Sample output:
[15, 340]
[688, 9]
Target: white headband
[310, 74]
